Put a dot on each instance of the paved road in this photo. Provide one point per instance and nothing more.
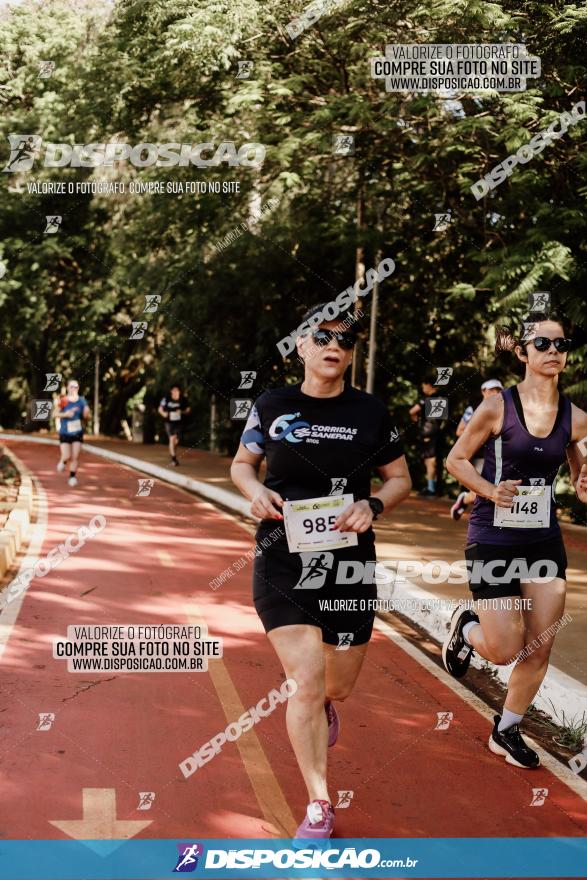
(115, 735)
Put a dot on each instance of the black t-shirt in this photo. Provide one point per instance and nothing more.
(173, 408)
(317, 446)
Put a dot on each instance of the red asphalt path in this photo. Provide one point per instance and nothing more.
(129, 732)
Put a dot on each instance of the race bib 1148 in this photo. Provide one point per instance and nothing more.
(530, 510)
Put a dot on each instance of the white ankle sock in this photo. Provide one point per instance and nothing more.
(508, 719)
(467, 629)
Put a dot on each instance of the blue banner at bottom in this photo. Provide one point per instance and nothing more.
(246, 858)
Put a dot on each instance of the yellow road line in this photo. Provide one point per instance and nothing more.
(267, 790)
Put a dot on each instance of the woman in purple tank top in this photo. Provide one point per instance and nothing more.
(515, 554)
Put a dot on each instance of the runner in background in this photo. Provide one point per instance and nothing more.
(431, 436)
(514, 547)
(173, 408)
(71, 414)
(322, 440)
(488, 389)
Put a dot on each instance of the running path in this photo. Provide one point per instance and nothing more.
(123, 734)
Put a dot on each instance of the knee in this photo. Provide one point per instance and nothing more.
(338, 692)
(503, 654)
(310, 689)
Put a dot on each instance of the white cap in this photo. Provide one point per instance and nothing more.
(491, 383)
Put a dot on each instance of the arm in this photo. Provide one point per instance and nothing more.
(461, 427)
(396, 486)
(86, 412)
(576, 453)
(485, 422)
(244, 473)
(415, 411)
(162, 412)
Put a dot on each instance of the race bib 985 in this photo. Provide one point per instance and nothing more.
(308, 523)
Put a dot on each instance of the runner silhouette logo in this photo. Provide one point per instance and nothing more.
(189, 855)
(338, 485)
(315, 568)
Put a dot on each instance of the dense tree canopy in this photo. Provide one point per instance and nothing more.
(160, 71)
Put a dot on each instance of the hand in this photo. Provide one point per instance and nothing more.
(263, 504)
(504, 494)
(581, 484)
(356, 518)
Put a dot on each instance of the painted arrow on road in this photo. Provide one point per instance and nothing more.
(99, 821)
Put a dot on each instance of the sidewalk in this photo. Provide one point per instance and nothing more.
(419, 529)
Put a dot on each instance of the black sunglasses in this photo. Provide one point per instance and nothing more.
(543, 343)
(345, 340)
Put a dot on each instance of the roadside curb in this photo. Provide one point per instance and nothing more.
(566, 693)
(17, 529)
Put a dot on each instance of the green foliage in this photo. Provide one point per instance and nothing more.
(165, 71)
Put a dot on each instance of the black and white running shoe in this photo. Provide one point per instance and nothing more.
(456, 653)
(510, 744)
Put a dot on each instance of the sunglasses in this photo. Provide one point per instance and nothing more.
(543, 343)
(346, 341)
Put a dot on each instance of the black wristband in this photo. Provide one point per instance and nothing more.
(376, 505)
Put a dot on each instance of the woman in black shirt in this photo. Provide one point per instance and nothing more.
(313, 581)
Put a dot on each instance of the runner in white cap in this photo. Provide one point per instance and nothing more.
(488, 389)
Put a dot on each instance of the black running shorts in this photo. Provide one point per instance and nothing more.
(173, 429)
(71, 438)
(301, 588)
(498, 583)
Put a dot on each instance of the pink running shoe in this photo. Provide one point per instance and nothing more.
(459, 506)
(333, 723)
(318, 822)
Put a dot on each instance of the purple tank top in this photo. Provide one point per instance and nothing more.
(515, 454)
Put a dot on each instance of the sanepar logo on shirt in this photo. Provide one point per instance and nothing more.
(282, 428)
